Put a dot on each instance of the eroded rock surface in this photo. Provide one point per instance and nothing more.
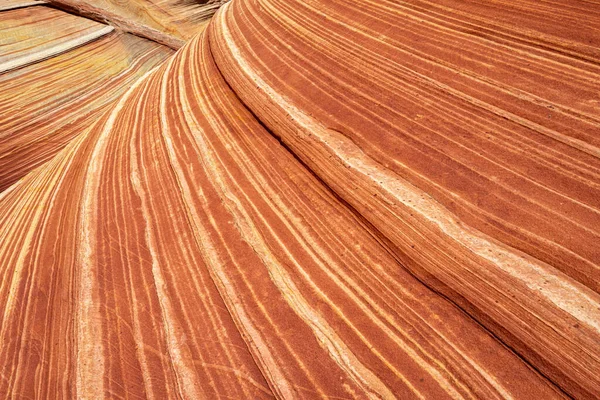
(322, 199)
(170, 22)
(82, 68)
(32, 34)
(432, 121)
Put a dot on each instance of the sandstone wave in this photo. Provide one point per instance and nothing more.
(313, 199)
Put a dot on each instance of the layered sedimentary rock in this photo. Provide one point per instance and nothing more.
(31, 34)
(45, 105)
(323, 199)
(170, 22)
(14, 4)
(432, 121)
(201, 259)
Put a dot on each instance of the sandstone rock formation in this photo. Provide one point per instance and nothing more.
(14, 4)
(32, 34)
(170, 22)
(312, 199)
(429, 130)
(81, 68)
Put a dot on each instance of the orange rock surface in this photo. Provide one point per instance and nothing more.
(45, 105)
(321, 199)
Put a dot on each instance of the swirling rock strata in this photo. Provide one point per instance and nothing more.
(432, 121)
(33, 34)
(169, 22)
(201, 258)
(322, 199)
(45, 105)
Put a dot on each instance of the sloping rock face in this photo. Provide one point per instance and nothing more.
(60, 97)
(31, 34)
(323, 199)
(202, 259)
(170, 22)
(432, 121)
(45, 105)
(14, 4)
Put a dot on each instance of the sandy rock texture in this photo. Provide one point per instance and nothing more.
(169, 22)
(457, 134)
(63, 72)
(14, 4)
(310, 199)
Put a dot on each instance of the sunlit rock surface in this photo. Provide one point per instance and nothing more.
(170, 22)
(44, 105)
(322, 199)
(14, 4)
(32, 34)
(432, 122)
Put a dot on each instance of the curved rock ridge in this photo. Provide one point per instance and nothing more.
(178, 249)
(485, 127)
(432, 122)
(322, 199)
(45, 105)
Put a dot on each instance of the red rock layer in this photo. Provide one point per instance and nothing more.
(432, 119)
(45, 105)
(178, 250)
(322, 199)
